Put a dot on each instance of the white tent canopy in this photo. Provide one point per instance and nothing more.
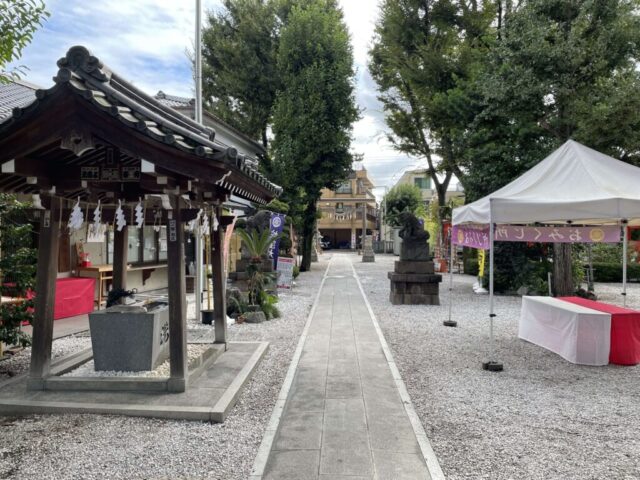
(574, 183)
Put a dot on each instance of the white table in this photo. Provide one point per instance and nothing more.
(578, 334)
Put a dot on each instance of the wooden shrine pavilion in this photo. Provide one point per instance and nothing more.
(96, 137)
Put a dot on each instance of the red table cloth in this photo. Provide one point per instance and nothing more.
(625, 330)
(74, 296)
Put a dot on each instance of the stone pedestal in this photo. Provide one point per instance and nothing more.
(414, 282)
(129, 339)
(367, 251)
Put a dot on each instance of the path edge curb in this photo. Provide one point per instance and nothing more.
(433, 465)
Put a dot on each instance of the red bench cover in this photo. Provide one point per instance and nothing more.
(625, 330)
(74, 296)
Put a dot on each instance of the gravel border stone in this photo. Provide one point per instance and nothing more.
(541, 418)
(114, 447)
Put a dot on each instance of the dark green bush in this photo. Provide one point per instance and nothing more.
(471, 266)
(612, 272)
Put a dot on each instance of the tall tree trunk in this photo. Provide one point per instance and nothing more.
(308, 231)
(562, 272)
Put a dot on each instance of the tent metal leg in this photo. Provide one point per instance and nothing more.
(491, 365)
(449, 322)
(625, 243)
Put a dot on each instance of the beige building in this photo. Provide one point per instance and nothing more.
(342, 209)
(421, 179)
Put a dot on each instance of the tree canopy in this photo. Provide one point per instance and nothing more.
(403, 198)
(19, 20)
(240, 75)
(423, 54)
(315, 109)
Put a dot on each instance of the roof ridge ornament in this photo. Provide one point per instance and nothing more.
(79, 60)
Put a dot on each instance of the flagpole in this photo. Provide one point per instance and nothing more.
(198, 62)
(198, 118)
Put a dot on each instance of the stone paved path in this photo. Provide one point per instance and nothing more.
(344, 418)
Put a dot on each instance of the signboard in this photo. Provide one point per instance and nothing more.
(285, 272)
(478, 236)
(110, 174)
(471, 236)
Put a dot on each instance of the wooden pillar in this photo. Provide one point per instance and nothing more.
(219, 281)
(47, 272)
(177, 300)
(120, 252)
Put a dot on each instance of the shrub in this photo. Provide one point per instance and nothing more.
(612, 272)
(403, 198)
(296, 271)
(471, 266)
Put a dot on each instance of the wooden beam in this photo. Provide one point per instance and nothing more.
(46, 275)
(177, 300)
(219, 282)
(120, 251)
(109, 213)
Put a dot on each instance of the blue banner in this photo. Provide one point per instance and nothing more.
(276, 225)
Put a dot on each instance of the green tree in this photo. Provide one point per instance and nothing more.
(17, 270)
(559, 69)
(403, 198)
(19, 20)
(315, 110)
(240, 75)
(424, 56)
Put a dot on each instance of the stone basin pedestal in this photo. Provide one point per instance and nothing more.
(129, 339)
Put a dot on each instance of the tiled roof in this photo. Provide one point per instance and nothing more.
(85, 75)
(185, 103)
(174, 101)
(15, 94)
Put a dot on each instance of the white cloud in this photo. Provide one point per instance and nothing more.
(145, 41)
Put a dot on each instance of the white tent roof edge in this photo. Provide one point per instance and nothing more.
(574, 184)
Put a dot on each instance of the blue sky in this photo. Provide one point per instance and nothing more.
(146, 42)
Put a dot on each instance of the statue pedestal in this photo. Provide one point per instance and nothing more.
(414, 282)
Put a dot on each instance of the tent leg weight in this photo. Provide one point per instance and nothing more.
(450, 323)
(492, 366)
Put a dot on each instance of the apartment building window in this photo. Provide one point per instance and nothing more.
(422, 183)
(344, 188)
(339, 207)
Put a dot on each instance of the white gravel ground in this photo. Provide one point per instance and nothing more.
(541, 418)
(19, 363)
(112, 447)
(163, 370)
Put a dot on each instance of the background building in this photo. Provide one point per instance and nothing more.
(421, 179)
(342, 209)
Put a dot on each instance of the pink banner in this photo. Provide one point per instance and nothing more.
(478, 236)
(471, 236)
